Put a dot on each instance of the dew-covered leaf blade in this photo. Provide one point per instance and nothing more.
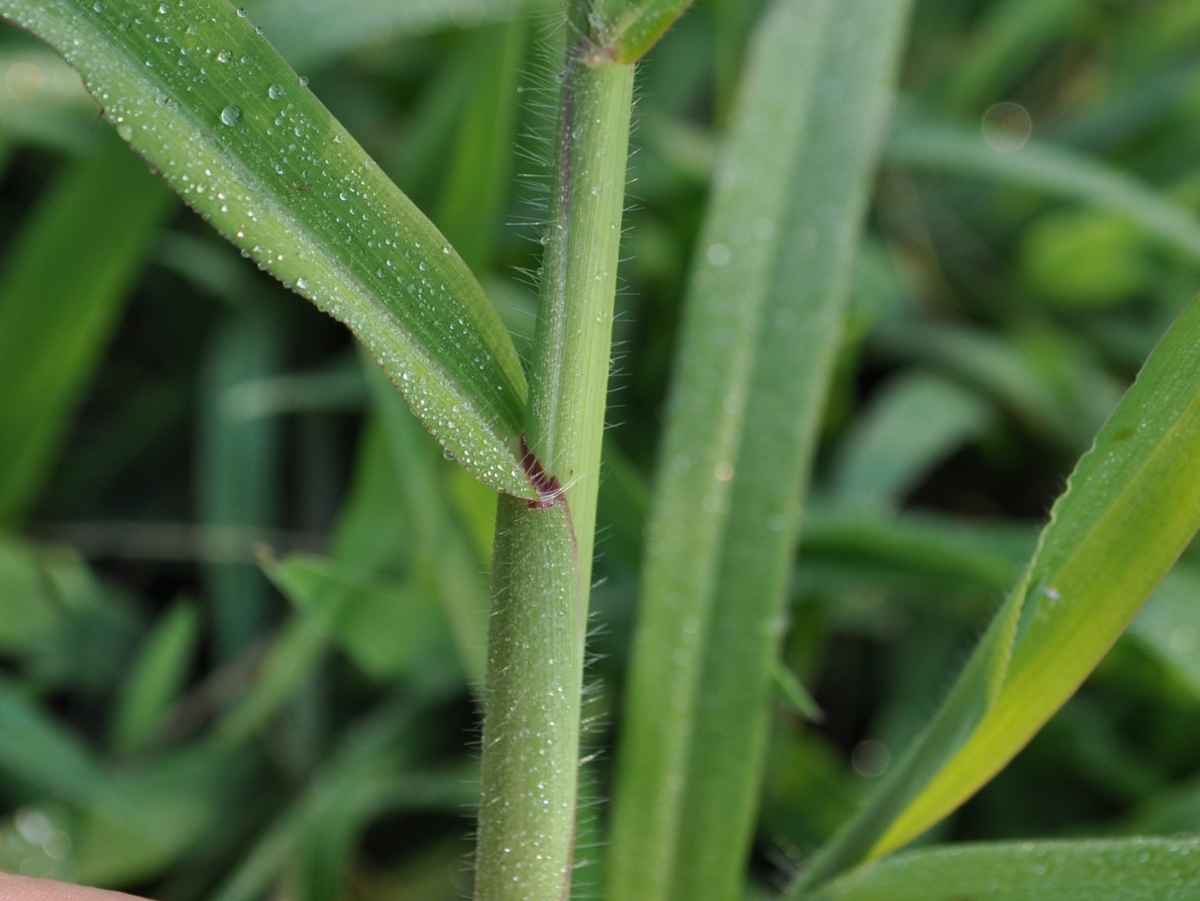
(205, 99)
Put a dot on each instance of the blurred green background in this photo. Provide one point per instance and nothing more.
(235, 576)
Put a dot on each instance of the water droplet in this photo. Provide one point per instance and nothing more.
(223, 56)
(275, 91)
(448, 454)
(301, 284)
(870, 758)
(231, 115)
(241, 11)
(303, 81)
(1006, 127)
(99, 6)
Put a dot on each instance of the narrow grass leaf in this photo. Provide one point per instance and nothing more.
(311, 32)
(1167, 626)
(1012, 35)
(1045, 168)
(444, 560)
(909, 427)
(296, 651)
(55, 320)
(1131, 507)
(210, 104)
(39, 753)
(184, 800)
(237, 459)
(794, 692)
(1038, 377)
(373, 533)
(337, 387)
(760, 334)
(388, 630)
(480, 168)
(156, 678)
(367, 773)
(44, 104)
(1133, 869)
(924, 547)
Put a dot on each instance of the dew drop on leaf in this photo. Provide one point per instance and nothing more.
(231, 115)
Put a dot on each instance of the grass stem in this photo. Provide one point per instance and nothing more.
(543, 551)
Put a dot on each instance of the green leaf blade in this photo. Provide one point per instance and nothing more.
(1045, 167)
(311, 32)
(1135, 869)
(760, 334)
(209, 104)
(915, 422)
(1131, 507)
(55, 320)
(156, 680)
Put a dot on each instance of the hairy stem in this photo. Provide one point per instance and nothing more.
(543, 552)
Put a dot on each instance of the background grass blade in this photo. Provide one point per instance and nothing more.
(449, 565)
(1167, 624)
(912, 425)
(1135, 869)
(45, 105)
(210, 104)
(156, 679)
(480, 169)
(1047, 168)
(751, 380)
(389, 630)
(55, 320)
(309, 32)
(38, 751)
(1011, 36)
(237, 458)
(1131, 507)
